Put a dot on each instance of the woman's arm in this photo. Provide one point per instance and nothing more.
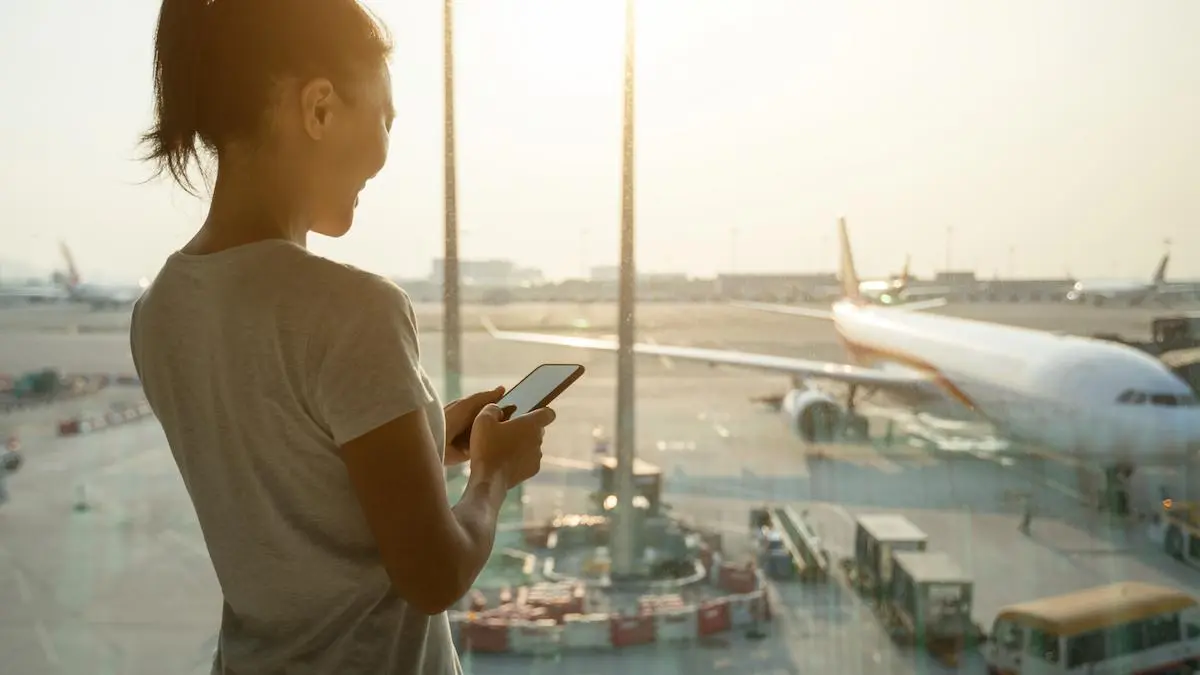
(367, 390)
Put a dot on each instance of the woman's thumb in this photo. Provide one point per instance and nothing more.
(491, 411)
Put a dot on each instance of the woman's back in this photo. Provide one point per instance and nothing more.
(248, 358)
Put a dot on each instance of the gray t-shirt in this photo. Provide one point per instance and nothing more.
(260, 361)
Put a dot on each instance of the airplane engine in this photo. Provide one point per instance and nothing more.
(812, 415)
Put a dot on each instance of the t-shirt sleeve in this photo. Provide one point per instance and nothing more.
(368, 365)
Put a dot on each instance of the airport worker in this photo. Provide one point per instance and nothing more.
(1026, 513)
(308, 436)
(10, 463)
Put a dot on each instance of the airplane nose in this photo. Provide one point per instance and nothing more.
(1180, 428)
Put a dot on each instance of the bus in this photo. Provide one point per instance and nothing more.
(1127, 628)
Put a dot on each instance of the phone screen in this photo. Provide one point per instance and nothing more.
(536, 386)
(530, 392)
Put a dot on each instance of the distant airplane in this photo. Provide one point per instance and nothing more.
(1101, 402)
(96, 295)
(1130, 292)
(68, 287)
(32, 293)
(894, 290)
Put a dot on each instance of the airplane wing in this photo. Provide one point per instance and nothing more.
(1177, 289)
(811, 313)
(837, 372)
(790, 310)
(921, 305)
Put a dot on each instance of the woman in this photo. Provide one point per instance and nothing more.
(310, 440)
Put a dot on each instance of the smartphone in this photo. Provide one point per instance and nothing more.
(536, 390)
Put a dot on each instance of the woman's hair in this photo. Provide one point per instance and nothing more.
(217, 63)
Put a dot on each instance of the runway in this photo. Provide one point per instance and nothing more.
(126, 587)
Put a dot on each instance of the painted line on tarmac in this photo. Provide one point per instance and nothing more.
(664, 360)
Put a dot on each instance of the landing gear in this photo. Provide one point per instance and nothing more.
(1116, 490)
(854, 426)
(1173, 543)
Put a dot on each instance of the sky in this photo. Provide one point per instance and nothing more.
(1014, 137)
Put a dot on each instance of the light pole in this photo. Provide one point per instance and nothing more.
(452, 320)
(623, 531)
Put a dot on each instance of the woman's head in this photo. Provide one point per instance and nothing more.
(293, 94)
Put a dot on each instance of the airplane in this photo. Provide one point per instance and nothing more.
(1069, 397)
(32, 293)
(97, 296)
(894, 290)
(1132, 292)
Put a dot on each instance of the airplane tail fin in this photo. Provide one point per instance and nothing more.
(904, 272)
(72, 270)
(1160, 274)
(846, 272)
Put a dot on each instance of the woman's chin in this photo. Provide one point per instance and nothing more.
(335, 227)
(337, 222)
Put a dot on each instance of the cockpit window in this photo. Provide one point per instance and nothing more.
(1131, 397)
(1134, 397)
(1174, 400)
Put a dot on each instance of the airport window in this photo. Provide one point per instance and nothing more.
(1009, 635)
(1085, 649)
(1127, 639)
(1043, 645)
(1163, 630)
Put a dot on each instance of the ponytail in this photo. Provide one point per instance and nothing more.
(178, 51)
(217, 63)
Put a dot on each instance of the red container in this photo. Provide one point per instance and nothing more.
(627, 631)
(737, 578)
(512, 610)
(68, 427)
(713, 617)
(551, 610)
(652, 603)
(486, 635)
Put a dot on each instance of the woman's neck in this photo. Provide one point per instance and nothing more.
(246, 209)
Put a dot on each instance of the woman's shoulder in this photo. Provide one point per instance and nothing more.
(352, 289)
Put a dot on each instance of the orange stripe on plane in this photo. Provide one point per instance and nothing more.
(869, 355)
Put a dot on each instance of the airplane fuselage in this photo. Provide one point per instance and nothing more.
(1101, 291)
(1069, 395)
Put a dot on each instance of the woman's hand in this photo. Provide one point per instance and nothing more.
(460, 415)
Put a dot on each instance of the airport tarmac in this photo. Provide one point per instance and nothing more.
(126, 586)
